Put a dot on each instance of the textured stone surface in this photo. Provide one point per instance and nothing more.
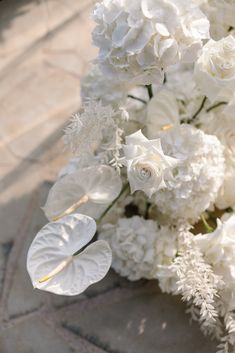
(45, 48)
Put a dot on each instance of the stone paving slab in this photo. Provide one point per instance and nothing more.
(45, 48)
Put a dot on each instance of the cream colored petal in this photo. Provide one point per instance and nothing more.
(163, 112)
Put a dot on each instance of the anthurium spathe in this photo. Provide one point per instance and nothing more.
(57, 261)
(88, 191)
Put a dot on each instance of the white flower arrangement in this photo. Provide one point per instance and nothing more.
(156, 133)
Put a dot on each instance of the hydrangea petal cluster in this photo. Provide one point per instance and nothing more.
(197, 178)
(148, 167)
(138, 40)
(142, 250)
(222, 125)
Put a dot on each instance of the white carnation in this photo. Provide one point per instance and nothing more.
(137, 40)
(197, 178)
(142, 250)
(148, 168)
(222, 125)
(215, 69)
(219, 250)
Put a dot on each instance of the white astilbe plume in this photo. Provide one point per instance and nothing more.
(94, 131)
(196, 281)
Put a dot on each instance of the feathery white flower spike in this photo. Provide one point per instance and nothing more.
(52, 263)
(87, 191)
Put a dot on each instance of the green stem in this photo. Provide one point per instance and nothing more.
(208, 228)
(125, 187)
(150, 91)
(137, 98)
(215, 106)
(199, 110)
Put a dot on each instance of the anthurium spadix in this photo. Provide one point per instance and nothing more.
(88, 191)
(57, 262)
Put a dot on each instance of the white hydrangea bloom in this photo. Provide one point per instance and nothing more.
(148, 167)
(96, 85)
(215, 69)
(197, 178)
(222, 124)
(138, 40)
(142, 250)
(219, 250)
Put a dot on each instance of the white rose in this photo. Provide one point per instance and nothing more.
(219, 250)
(215, 69)
(147, 166)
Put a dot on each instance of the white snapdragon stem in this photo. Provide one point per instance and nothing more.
(84, 199)
(57, 270)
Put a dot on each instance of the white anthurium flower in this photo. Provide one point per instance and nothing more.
(87, 191)
(215, 69)
(56, 261)
(162, 113)
(147, 166)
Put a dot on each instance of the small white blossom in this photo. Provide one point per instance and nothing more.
(215, 69)
(53, 263)
(148, 167)
(138, 40)
(197, 178)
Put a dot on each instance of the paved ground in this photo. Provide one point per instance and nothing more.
(45, 48)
